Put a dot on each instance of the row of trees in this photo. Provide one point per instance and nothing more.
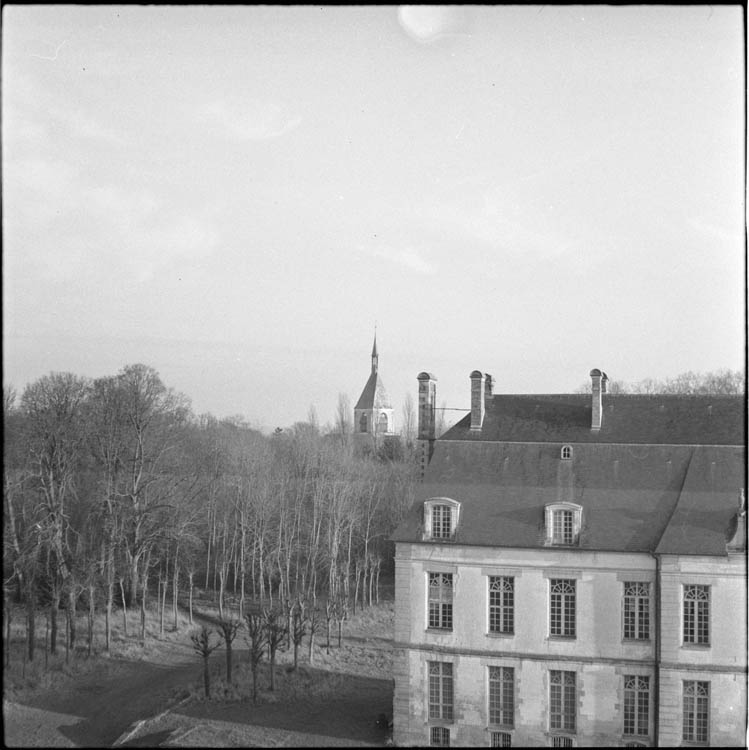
(717, 383)
(112, 488)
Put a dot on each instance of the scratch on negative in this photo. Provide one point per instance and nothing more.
(45, 57)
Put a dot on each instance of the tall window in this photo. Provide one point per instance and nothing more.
(636, 704)
(441, 690)
(697, 614)
(562, 701)
(441, 600)
(363, 423)
(636, 611)
(696, 710)
(442, 525)
(502, 696)
(562, 607)
(382, 426)
(501, 604)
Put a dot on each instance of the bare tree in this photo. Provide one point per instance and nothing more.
(204, 648)
(256, 640)
(275, 633)
(408, 420)
(229, 627)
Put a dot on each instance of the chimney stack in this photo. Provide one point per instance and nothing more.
(427, 405)
(488, 390)
(478, 402)
(599, 380)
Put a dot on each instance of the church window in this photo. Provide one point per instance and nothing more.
(363, 423)
(383, 424)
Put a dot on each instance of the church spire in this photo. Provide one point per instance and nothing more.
(374, 352)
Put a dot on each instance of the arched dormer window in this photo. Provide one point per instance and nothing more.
(566, 452)
(562, 524)
(382, 426)
(441, 516)
(363, 423)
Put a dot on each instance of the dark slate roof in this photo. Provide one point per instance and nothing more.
(635, 498)
(626, 418)
(374, 395)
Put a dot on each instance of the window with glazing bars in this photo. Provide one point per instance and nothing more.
(439, 737)
(562, 701)
(636, 704)
(561, 741)
(562, 527)
(636, 611)
(696, 710)
(441, 690)
(501, 604)
(501, 739)
(502, 696)
(697, 614)
(442, 522)
(562, 607)
(441, 600)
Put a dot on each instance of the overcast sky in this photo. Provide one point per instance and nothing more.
(236, 196)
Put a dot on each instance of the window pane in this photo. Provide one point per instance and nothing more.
(440, 603)
(501, 604)
(696, 625)
(562, 616)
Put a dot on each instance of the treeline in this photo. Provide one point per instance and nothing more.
(113, 488)
(717, 383)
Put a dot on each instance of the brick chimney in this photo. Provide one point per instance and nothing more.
(427, 405)
(598, 380)
(478, 402)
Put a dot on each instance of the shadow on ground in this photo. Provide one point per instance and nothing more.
(350, 715)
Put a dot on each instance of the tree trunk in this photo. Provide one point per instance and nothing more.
(357, 568)
(8, 619)
(206, 677)
(108, 615)
(175, 592)
(53, 606)
(71, 619)
(228, 660)
(190, 574)
(124, 608)
(30, 624)
(91, 614)
(163, 605)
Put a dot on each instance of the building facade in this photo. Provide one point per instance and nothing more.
(573, 573)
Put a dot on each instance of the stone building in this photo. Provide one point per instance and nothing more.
(573, 573)
(373, 413)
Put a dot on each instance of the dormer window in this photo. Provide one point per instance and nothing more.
(563, 524)
(440, 518)
(566, 452)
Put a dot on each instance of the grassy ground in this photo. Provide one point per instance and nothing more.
(365, 650)
(23, 678)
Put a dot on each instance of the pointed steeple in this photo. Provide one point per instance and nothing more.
(374, 353)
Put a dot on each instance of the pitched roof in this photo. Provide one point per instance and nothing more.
(374, 395)
(635, 498)
(626, 418)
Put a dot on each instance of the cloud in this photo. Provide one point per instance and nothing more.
(407, 257)
(249, 121)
